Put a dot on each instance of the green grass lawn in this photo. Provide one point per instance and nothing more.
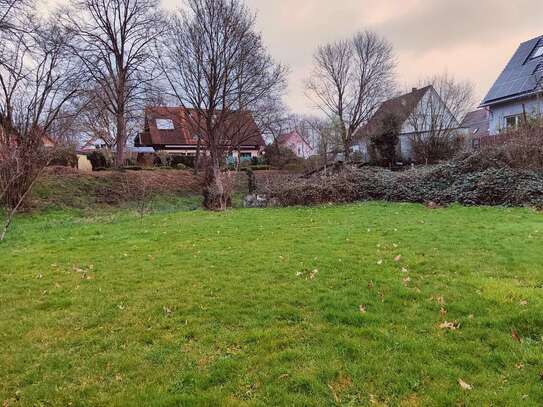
(195, 308)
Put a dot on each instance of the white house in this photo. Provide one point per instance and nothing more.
(518, 91)
(418, 112)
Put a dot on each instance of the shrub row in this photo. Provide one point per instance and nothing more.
(479, 179)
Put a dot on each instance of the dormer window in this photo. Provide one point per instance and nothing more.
(538, 51)
(164, 124)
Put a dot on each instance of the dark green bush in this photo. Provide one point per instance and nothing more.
(98, 160)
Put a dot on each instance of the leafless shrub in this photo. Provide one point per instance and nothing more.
(137, 188)
(37, 82)
(521, 147)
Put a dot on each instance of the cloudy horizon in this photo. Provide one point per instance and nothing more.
(471, 41)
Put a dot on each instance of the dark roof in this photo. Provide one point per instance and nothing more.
(478, 122)
(402, 107)
(518, 79)
(241, 125)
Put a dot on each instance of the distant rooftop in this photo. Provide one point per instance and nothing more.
(520, 76)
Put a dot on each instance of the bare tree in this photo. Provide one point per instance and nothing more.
(436, 120)
(350, 79)
(218, 66)
(8, 14)
(37, 81)
(114, 40)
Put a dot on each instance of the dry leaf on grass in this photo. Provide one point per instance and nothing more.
(519, 365)
(515, 335)
(362, 309)
(442, 312)
(450, 325)
(370, 285)
(397, 258)
(523, 303)
(379, 262)
(406, 281)
(464, 385)
(313, 274)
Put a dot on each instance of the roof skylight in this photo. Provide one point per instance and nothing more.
(164, 124)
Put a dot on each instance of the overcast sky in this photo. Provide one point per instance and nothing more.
(470, 39)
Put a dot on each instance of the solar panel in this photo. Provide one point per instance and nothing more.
(518, 76)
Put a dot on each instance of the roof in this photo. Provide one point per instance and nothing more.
(518, 79)
(182, 129)
(478, 122)
(402, 107)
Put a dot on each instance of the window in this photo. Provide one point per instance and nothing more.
(538, 52)
(512, 122)
(245, 156)
(476, 143)
(164, 124)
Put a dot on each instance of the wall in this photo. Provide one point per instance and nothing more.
(498, 113)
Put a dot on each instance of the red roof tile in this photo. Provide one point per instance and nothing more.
(243, 129)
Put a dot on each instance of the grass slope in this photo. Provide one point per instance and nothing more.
(196, 308)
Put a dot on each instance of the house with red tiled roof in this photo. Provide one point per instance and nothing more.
(175, 130)
(296, 143)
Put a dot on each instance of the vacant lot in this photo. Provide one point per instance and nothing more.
(349, 305)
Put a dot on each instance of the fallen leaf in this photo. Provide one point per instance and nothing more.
(406, 281)
(450, 325)
(404, 270)
(313, 274)
(398, 258)
(442, 312)
(379, 262)
(362, 309)
(515, 335)
(464, 385)
(523, 303)
(370, 285)
(519, 365)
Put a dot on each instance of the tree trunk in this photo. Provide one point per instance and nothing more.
(197, 157)
(216, 192)
(346, 144)
(121, 140)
